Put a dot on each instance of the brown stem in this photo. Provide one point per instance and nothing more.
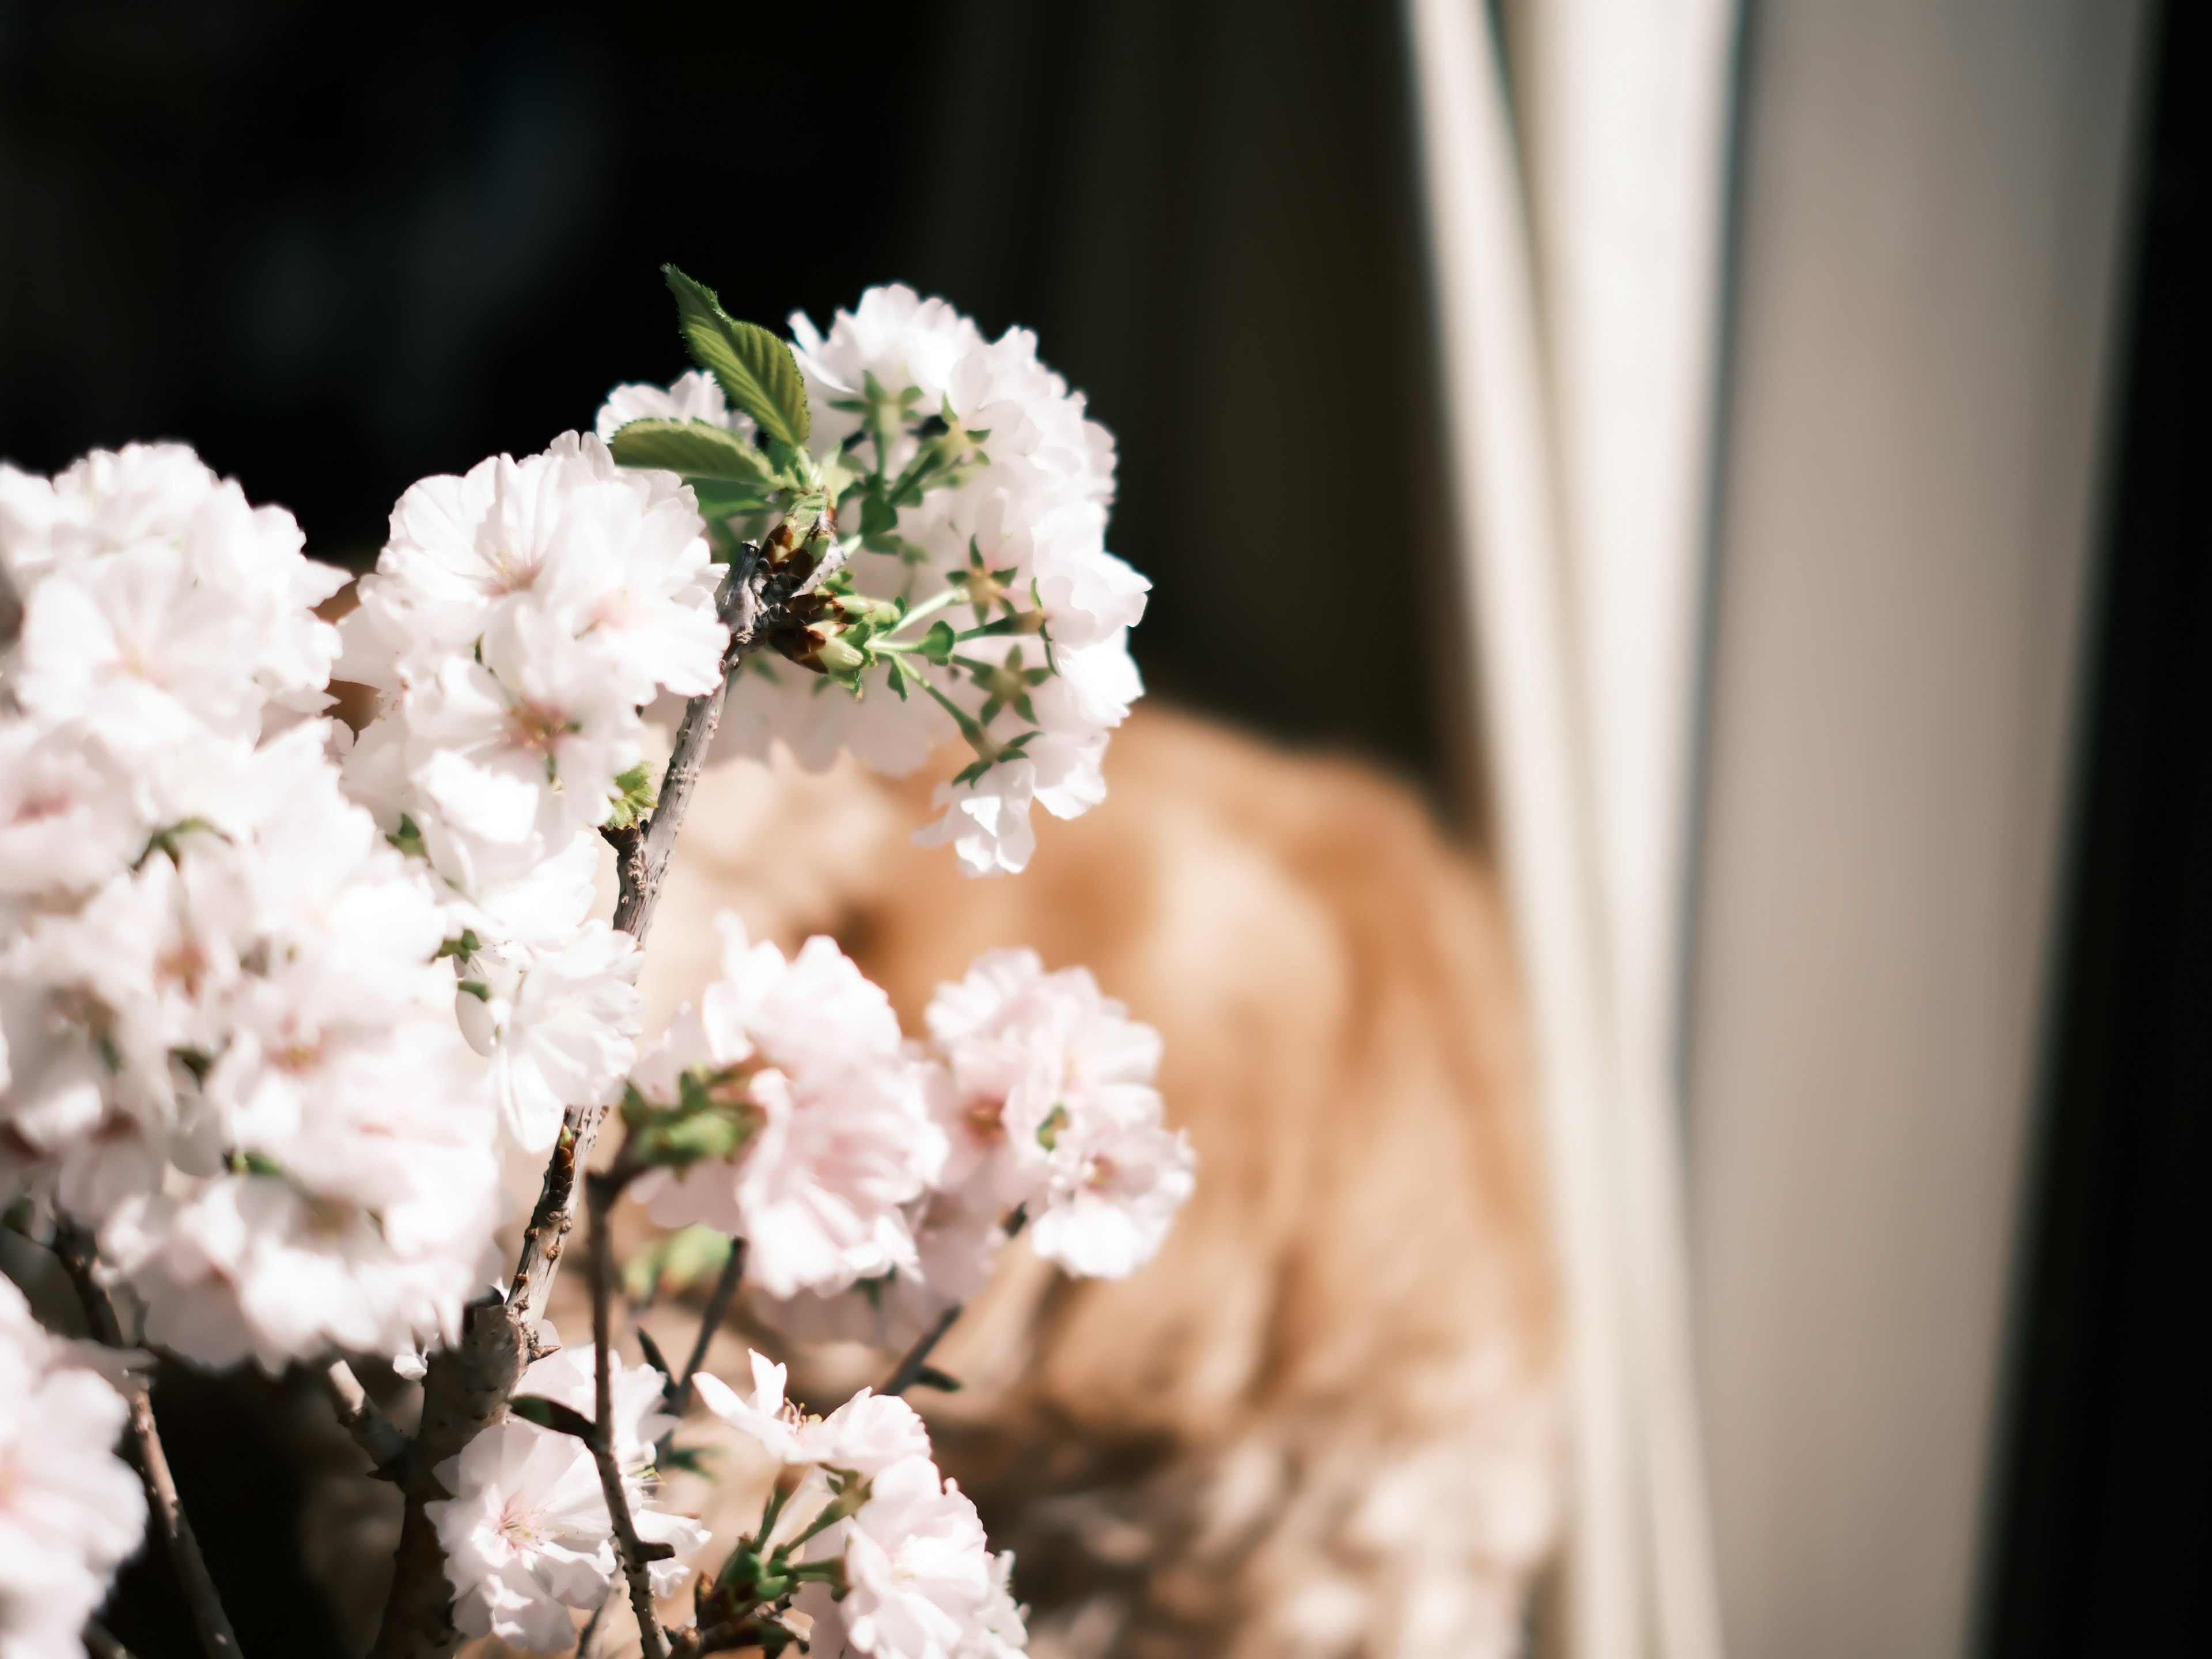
(909, 1369)
(679, 1394)
(465, 1389)
(645, 862)
(600, 1192)
(144, 1446)
(917, 1357)
(362, 1417)
(469, 1383)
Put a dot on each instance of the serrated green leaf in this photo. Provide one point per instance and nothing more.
(697, 449)
(756, 370)
(635, 795)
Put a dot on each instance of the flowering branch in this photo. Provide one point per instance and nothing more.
(474, 1379)
(217, 1638)
(600, 1192)
(257, 924)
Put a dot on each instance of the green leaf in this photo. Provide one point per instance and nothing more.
(674, 1263)
(465, 944)
(692, 1460)
(636, 795)
(719, 500)
(756, 370)
(937, 644)
(551, 1414)
(697, 449)
(1048, 1133)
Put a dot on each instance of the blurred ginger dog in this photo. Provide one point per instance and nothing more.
(1323, 1421)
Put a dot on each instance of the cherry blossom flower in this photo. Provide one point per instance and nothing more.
(918, 1582)
(175, 603)
(639, 1424)
(918, 1571)
(1004, 544)
(867, 1435)
(70, 1511)
(832, 1135)
(1000, 1630)
(518, 617)
(615, 557)
(559, 1025)
(229, 1048)
(693, 397)
(526, 1534)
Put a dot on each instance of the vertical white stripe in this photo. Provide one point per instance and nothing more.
(1579, 372)
(1623, 110)
(1501, 467)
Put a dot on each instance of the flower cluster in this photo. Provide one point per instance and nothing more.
(785, 1110)
(274, 1000)
(70, 1509)
(875, 1180)
(969, 593)
(526, 1534)
(864, 1545)
(226, 1046)
(517, 618)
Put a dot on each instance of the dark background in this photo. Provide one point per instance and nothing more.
(2104, 1539)
(338, 248)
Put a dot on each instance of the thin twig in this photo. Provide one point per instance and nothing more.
(916, 1361)
(917, 1357)
(679, 1393)
(217, 1638)
(743, 605)
(600, 1192)
(364, 1420)
(77, 1252)
(468, 1384)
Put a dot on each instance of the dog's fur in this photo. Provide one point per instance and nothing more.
(1322, 1422)
(1325, 1421)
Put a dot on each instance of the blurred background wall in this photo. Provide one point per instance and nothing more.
(1928, 260)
